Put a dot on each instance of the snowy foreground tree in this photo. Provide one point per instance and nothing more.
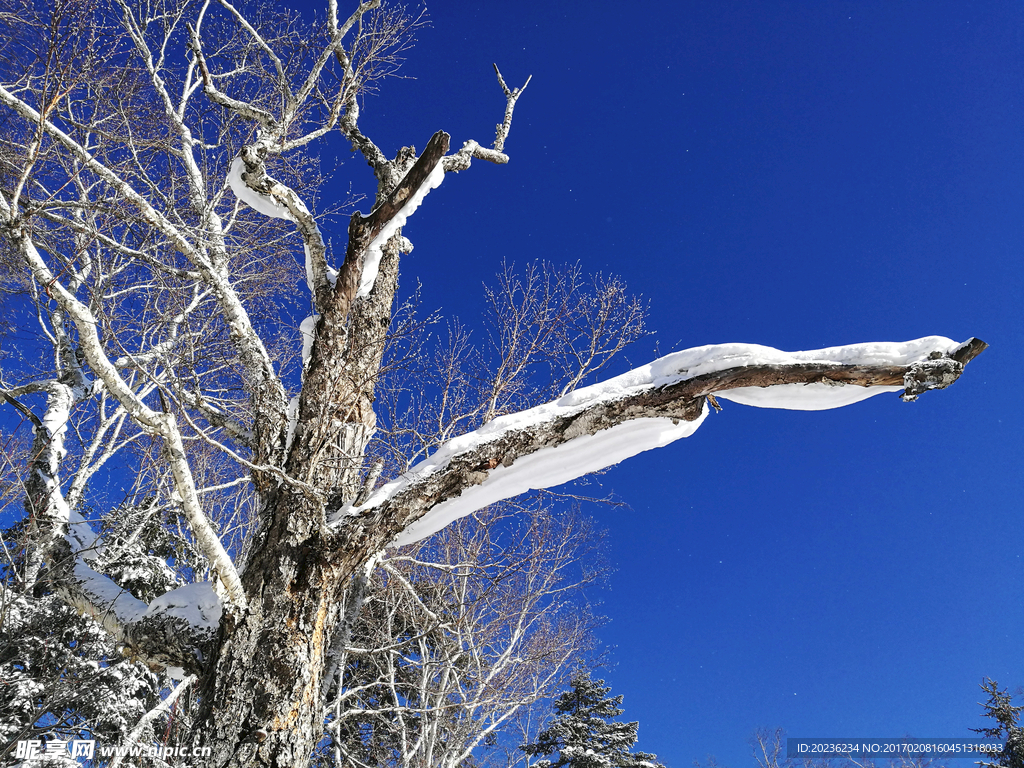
(157, 179)
(1007, 728)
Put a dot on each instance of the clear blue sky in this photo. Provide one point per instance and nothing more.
(797, 174)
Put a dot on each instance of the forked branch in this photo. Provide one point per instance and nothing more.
(461, 160)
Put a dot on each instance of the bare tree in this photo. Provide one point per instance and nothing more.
(768, 750)
(150, 162)
(461, 635)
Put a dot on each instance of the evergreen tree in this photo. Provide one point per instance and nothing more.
(582, 734)
(61, 676)
(1007, 716)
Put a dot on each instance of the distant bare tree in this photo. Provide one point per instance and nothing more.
(461, 635)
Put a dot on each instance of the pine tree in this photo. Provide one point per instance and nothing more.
(62, 676)
(582, 734)
(1007, 716)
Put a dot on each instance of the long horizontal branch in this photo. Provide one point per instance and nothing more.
(601, 425)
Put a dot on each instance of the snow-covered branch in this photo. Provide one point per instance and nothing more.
(649, 407)
(162, 424)
(461, 160)
(367, 235)
(249, 180)
(159, 633)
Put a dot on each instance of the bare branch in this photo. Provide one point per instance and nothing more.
(242, 108)
(511, 97)
(600, 425)
(461, 160)
(161, 424)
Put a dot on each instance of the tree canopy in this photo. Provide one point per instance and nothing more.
(584, 735)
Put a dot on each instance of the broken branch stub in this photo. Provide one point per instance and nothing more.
(362, 230)
(939, 372)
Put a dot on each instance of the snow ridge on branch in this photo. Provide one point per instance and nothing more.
(648, 407)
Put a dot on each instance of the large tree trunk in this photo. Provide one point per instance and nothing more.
(262, 699)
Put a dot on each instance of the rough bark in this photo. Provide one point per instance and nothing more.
(262, 697)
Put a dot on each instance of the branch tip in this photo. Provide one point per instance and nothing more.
(969, 350)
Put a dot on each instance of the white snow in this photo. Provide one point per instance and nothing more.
(308, 330)
(554, 466)
(55, 422)
(82, 538)
(293, 421)
(310, 282)
(589, 453)
(262, 203)
(803, 397)
(197, 603)
(332, 273)
(371, 258)
(103, 593)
